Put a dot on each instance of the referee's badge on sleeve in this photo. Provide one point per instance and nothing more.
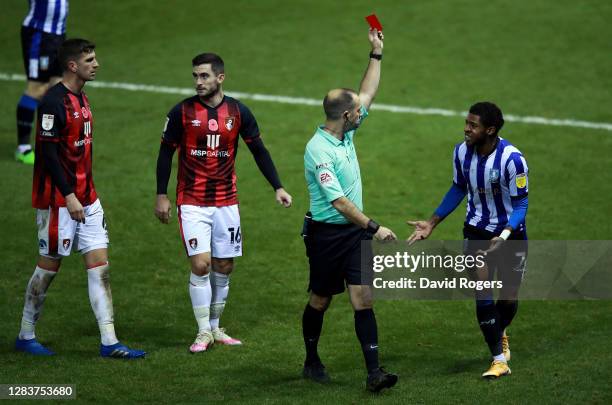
(521, 180)
(47, 121)
(325, 178)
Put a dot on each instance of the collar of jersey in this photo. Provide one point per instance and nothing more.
(80, 95)
(495, 149)
(330, 138)
(209, 107)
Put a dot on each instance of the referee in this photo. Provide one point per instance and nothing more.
(336, 225)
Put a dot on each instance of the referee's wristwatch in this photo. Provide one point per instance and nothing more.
(372, 226)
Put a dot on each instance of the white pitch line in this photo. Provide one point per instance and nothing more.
(560, 122)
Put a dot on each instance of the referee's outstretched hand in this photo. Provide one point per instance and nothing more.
(384, 234)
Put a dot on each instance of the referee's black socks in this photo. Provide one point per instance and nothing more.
(367, 333)
(312, 323)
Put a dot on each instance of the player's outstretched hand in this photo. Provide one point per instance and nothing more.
(162, 208)
(422, 230)
(384, 234)
(495, 245)
(74, 207)
(376, 39)
(283, 198)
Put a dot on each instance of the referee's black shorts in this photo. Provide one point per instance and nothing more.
(39, 50)
(334, 253)
(509, 264)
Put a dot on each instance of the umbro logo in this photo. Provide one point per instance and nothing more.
(75, 114)
(196, 123)
(489, 322)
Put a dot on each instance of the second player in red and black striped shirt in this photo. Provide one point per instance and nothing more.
(205, 129)
(68, 213)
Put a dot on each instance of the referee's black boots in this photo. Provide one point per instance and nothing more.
(316, 372)
(379, 379)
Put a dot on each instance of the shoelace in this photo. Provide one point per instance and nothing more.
(200, 337)
(222, 332)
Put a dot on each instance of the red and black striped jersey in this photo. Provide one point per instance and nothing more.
(207, 140)
(64, 118)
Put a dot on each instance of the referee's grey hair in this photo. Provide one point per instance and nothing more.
(335, 105)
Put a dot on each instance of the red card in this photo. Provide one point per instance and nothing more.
(374, 23)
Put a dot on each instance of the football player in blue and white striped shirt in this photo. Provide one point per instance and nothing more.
(42, 33)
(494, 176)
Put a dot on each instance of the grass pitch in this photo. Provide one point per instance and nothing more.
(547, 58)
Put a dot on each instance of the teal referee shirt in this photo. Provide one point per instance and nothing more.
(332, 171)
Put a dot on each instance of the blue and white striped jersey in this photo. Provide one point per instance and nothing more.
(47, 16)
(491, 182)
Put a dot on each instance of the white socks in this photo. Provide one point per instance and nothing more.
(24, 147)
(200, 293)
(99, 297)
(102, 302)
(220, 290)
(34, 299)
(500, 357)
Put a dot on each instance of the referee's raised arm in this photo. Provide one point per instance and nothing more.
(371, 78)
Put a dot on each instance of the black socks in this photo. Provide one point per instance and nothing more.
(312, 323)
(367, 333)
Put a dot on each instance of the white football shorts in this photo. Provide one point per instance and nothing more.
(211, 229)
(58, 234)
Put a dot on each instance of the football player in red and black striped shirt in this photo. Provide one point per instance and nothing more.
(205, 130)
(69, 214)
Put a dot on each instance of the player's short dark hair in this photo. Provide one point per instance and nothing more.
(335, 106)
(72, 48)
(215, 61)
(490, 115)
